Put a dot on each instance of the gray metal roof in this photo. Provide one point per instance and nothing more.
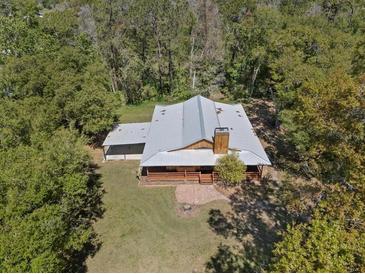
(179, 125)
(197, 157)
(126, 134)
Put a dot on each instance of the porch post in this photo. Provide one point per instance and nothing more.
(260, 171)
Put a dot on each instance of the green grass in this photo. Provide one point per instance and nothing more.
(141, 112)
(137, 113)
(141, 230)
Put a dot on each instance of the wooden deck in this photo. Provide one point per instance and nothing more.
(186, 176)
(191, 176)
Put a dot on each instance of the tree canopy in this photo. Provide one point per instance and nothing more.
(55, 96)
(307, 57)
(68, 67)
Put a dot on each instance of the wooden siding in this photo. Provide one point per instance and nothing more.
(184, 174)
(197, 145)
(221, 142)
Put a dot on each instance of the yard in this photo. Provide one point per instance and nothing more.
(141, 230)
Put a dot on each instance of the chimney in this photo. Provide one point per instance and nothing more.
(221, 140)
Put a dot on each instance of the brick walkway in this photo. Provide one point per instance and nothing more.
(196, 194)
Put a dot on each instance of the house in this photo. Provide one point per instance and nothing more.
(183, 141)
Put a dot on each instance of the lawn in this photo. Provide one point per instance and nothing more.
(136, 113)
(141, 230)
(141, 112)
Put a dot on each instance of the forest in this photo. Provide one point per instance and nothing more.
(68, 67)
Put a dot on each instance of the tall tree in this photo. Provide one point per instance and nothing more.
(46, 210)
(50, 60)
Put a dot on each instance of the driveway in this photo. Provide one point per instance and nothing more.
(196, 194)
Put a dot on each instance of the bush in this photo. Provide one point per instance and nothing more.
(231, 169)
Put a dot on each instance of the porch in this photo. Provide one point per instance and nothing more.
(199, 175)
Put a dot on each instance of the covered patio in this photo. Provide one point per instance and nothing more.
(126, 142)
(190, 174)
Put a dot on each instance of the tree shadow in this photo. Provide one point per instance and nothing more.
(281, 152)
(260, 211)
(255, 221)
(93, 209)
(263, 117)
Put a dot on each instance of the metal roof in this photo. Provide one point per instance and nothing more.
(179, 125)
(126, 134)
(197, 157)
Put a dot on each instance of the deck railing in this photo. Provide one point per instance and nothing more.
(203, 178)
(182, 176)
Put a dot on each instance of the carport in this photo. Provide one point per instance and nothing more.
(126, 141)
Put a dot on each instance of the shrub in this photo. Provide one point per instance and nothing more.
(231, 169)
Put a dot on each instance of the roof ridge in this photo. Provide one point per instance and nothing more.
(183, 123)
(216, 113)
(201, 117)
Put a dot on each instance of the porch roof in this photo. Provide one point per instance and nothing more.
(197, 157)
(126, 134)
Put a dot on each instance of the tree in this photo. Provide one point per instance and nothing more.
(247, 46)
(51, 83)
(231, 170)
(59, 68)
(358, 61)
(46, 210)
(307, 55)
(333, 241)
(152, 45)
(325, 124)
(23, 120)
(321, 246)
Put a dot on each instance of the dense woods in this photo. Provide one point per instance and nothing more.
(55, 97)
(67, 67)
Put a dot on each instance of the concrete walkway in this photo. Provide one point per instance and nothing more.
(196, 194)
